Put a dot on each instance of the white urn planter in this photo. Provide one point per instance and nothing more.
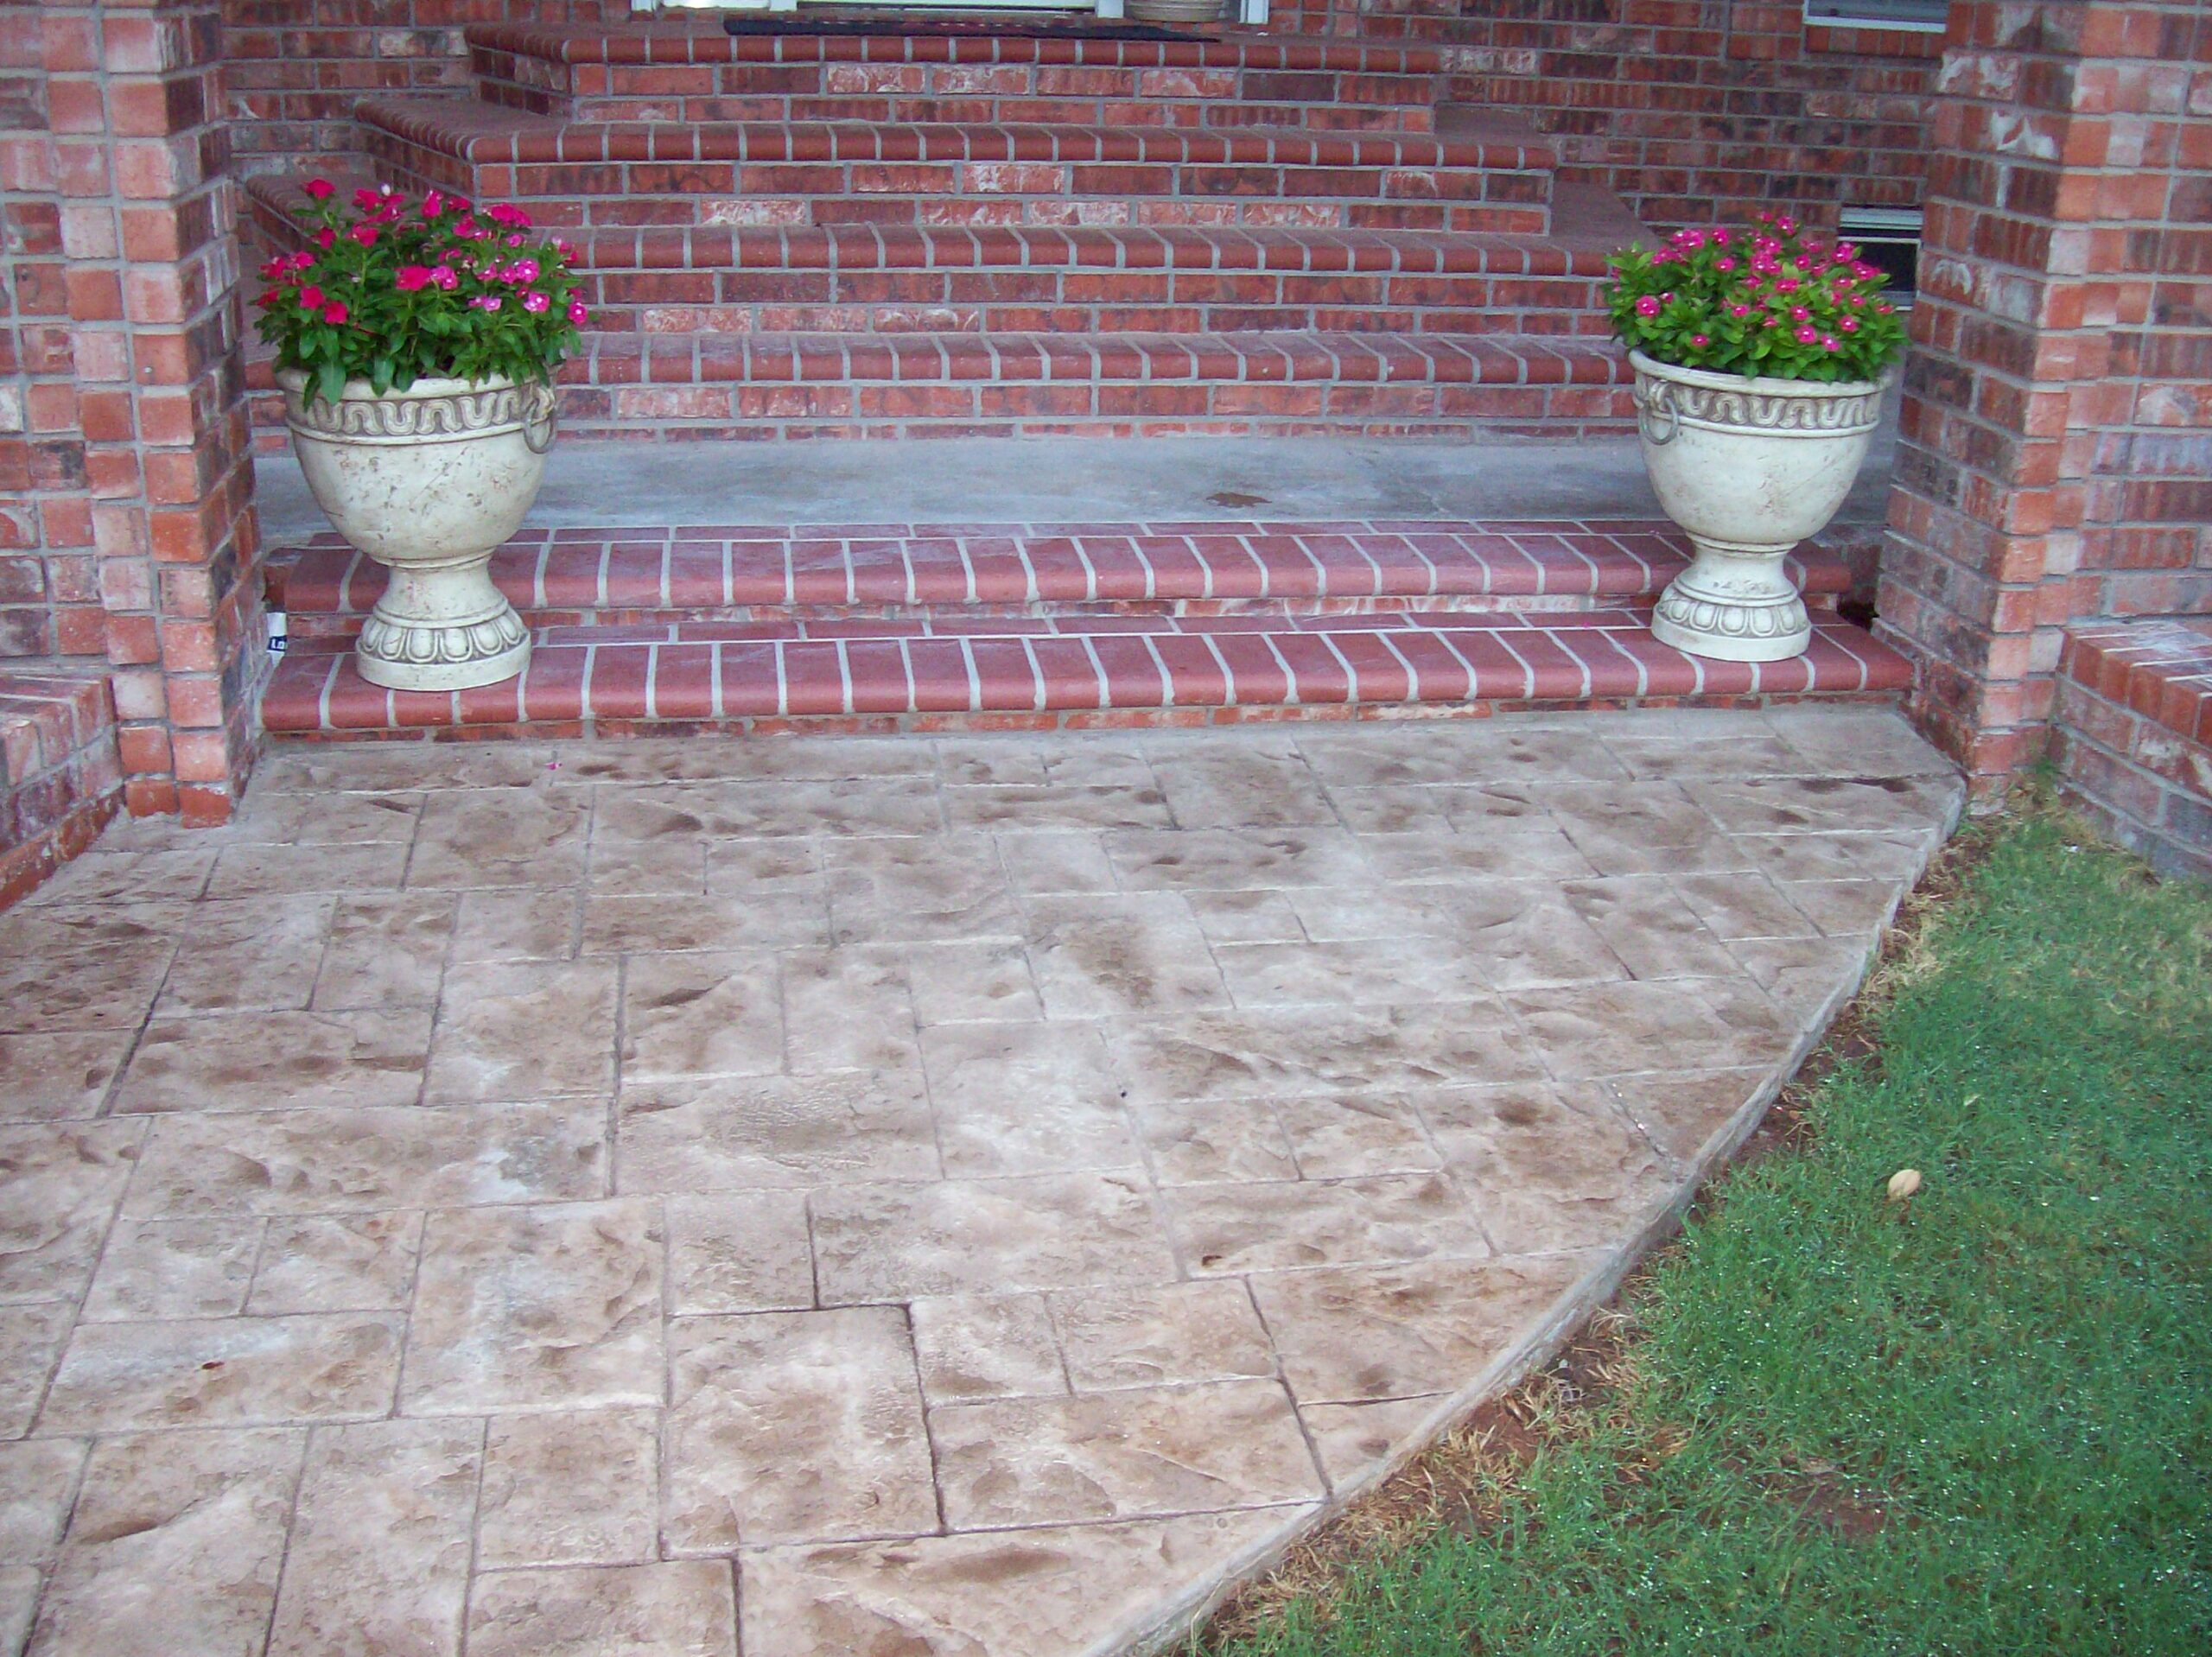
(1749, 467)
(427, 482)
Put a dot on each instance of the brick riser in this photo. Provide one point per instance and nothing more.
(666, 73)
(866, 279)
(714, 386)
(865, 573)
(579, 174)
(1067, 672)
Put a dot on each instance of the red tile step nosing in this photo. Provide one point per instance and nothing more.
(678, 44)
(1066, 670)
(1166, 568)
(478, 132)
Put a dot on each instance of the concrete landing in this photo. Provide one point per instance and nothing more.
(1079, 479)
(843, 1197)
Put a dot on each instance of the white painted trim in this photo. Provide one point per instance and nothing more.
(1251, 11)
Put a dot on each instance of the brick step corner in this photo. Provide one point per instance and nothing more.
(1069, 671)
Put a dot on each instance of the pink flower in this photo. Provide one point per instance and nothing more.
(445, 277)
(1866, 272)
(1798, 313)
(1724, 263)
(535, 302)
(1771, 322)
(467, 228)
(1689, 239)
(365, 234)
(369, 199)
(514, 241)
(1700, 340)
(311, 298)
(302, 261)
(1720, 237)
(1787, 285)
(565, 248)
(1829, 342)
(1885, 309)
(335, 311)
(321, 189)
(1647, 306)
(413, 279)
(1807, 334)
(1740, 310)
(326, 238)
(512, 218)
(434, 204)
(1786, 225)
(577, 314)
(523, 271)
(1849, 325)
(487, 301)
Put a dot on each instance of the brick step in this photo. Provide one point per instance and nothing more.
(1021, 278)
(1066, 671)
(576, 174)
(708, 385)
(689, 72)
(868, 572)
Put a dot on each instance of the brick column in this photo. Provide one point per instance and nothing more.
(2058, 396)
(129, 314)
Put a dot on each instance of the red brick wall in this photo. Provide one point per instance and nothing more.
(2057, 452)
(295, 68)
(1689, 110)
(128, 481)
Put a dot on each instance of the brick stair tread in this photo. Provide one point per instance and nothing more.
(1264, 357)
(1579, 247)
(828, 569)
(676, 42)
(472, 131)
(1067, 668)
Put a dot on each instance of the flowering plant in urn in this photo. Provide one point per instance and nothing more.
(1761, 356)
(415, 343)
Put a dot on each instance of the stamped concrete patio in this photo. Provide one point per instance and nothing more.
(940, 1197)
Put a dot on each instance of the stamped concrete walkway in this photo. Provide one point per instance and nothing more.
(952, 1197)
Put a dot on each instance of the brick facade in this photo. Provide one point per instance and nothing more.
(1690, 110)
(122, 433)
(2055, 461)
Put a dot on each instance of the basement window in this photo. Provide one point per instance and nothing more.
(1922, 16)
(1888, 236)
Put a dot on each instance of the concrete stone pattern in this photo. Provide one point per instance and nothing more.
(744, 1197)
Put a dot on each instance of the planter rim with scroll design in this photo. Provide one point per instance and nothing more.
(427, 482)
(1749, 466)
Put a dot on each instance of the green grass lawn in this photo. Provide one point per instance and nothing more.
(1977, 1422)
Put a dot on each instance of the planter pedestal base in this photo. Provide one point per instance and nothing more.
(442, 627)
(1734, 604)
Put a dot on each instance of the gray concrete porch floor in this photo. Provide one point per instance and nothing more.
(961, 1197)
(1059, 480)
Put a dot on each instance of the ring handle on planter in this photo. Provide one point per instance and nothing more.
(541, 411)
(1658, 397)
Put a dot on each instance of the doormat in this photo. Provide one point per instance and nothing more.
(1004, 27)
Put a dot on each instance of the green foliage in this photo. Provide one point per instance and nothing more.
(395, 291)
(1978, 1423)
(1771, 301)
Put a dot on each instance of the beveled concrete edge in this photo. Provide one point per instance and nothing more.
(1160, 1631)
